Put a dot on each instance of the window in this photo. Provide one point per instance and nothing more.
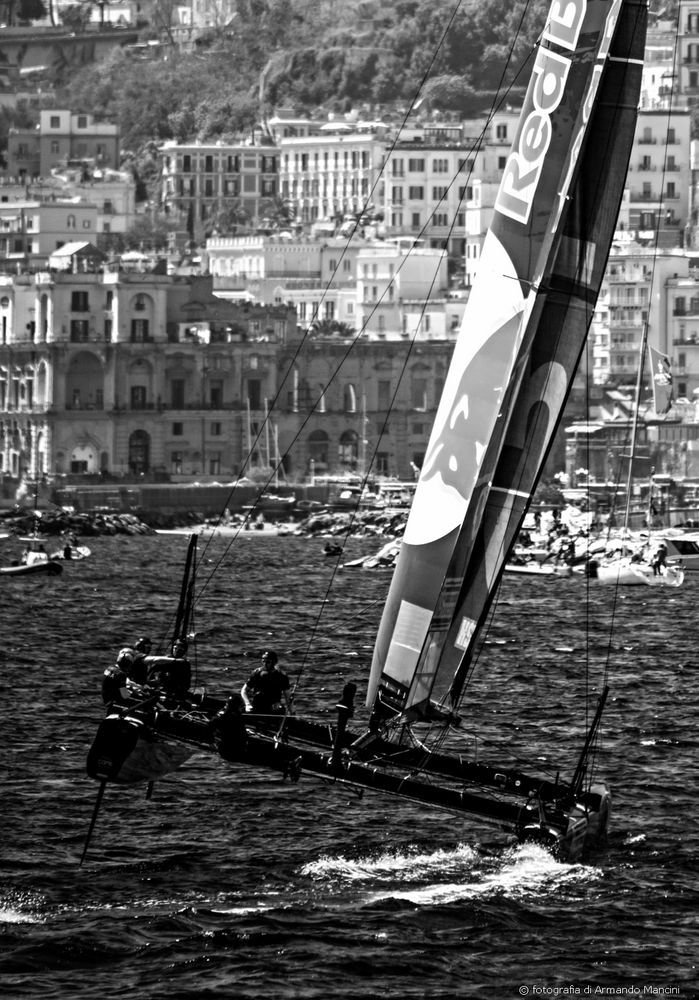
(176, 462)
(55, 146)
(416, 165)
(215, 428)
(139, 331)
(82, 121)
(177, 393)
(416, 193)
(70, 222)
(214, 458)
(254, 393)
(418, 393)
(55, 121)
(501, 132)
(79, 331)
(138, 397)
(177, 429)
(439, 192)
(216, 394)
(79, 302)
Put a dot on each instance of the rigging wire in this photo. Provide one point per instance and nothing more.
(490, 615)
(637, 402)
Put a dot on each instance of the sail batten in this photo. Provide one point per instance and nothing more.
(509, 378)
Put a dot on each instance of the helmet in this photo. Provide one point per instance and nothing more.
(143, 644)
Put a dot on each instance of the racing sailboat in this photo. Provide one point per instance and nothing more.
(522, 337)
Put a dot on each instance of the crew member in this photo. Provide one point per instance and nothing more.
(132, 660)
(172, 673)
(228, 729)
(266, 689)
(114, 687)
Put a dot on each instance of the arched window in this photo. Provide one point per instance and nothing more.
(318, 442)
(349, 403)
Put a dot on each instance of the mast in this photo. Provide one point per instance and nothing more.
(634, 425)
(540, 272)
(184, 606)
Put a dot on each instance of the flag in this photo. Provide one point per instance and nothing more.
(662, 381)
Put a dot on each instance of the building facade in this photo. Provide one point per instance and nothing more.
(62, 138)
(107, 372)
(201, 180)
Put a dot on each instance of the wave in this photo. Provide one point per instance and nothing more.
(448, 875)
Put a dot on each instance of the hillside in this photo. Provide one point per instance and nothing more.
(313, 54)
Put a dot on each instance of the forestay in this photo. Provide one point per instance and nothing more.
(519, 345)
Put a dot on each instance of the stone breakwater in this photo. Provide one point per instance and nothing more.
(80, 525)
(381, 523)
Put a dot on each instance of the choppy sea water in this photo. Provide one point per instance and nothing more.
(234, 884)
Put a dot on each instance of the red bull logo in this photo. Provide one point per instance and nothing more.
(524, 165)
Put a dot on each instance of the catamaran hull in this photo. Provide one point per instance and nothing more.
(128, 750)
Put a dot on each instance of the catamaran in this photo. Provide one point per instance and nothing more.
(522, 337)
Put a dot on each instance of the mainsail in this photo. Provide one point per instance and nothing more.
(520, 342)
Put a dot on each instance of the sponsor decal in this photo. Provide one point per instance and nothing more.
(525, 163)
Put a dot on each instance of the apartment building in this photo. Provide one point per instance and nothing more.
(201, 180)
(385, 289)
(62, 138)
(333, 173)
(657, 209)
(686, 65)
(112, 192)
(31, 230)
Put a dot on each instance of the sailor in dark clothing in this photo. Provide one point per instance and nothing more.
(172, 673)
(228, 729)
(266, 688)
(113, 685)
(132, 660)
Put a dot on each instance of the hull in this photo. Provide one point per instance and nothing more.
(145, 741)
(127, 751)
(78, 552)
(534, 568)
(624, 573)
(47, 567)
